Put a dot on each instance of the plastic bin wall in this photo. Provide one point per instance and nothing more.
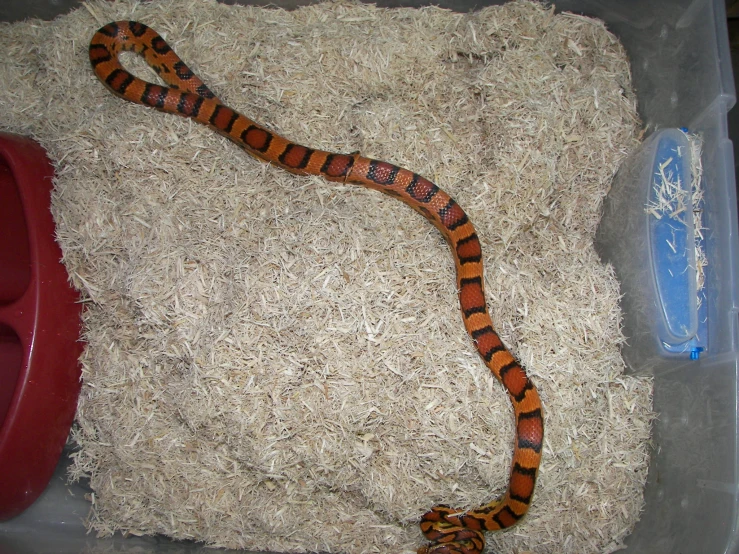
(682, 73)
(681, 69)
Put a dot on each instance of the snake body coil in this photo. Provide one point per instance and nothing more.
(450, 531)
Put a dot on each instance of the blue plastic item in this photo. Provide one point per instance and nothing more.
(648, 232)
(672, 243)
(671, 238)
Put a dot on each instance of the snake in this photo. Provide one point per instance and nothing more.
(448, 530)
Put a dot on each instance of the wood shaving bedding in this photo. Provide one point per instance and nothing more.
(278, 363)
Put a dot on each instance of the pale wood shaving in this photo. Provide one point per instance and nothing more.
(278, 363)
(697, 193)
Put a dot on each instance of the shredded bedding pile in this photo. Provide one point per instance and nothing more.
(279, 363)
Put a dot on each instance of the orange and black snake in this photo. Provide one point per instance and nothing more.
(450, 531)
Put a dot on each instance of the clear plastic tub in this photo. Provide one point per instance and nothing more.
(682, 73)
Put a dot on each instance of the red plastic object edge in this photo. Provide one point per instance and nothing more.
(39, 329)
